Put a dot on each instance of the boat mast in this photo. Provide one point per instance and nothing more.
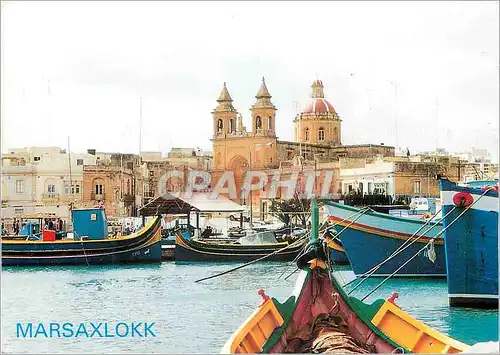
(70, 183)
(314, 220)
(140, 126)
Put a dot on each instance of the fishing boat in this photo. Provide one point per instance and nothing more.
(471, 244)
(369, 238)
(248, 248)
(32, 227)
(90, 244)
(319, 317)
(336, 249)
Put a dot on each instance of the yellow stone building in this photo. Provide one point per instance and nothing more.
(317, 131)
(317, 142)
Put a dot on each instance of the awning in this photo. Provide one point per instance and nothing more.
(181, 204)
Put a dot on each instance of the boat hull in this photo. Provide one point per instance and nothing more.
(471, 245)
(374, 236)
(142, 247)
(190, 250)
(337, 252)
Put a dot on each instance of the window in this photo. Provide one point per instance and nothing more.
(270, 124)
(79, 161)
(36, 158)
(370, 188)
(51, 189)
(321, 134)
(77, 189)
(220, 125)
(98, 189)
(258, 122)
(19, 186)
(306, 134)
(416, 187)
(231, 126)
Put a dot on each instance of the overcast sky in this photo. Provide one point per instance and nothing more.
(421, 75)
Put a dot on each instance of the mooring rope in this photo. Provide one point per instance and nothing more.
(256, 260)
(295, 243)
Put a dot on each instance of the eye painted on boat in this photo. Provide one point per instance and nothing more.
(463, 199)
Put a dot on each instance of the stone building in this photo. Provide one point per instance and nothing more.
(317, 131)
(42, 180)
(114, 182)
(399, 177)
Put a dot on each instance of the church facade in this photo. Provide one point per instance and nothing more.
(317, 139)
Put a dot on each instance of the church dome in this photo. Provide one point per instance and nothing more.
(317, 103)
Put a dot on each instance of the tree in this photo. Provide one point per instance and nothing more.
(284, 210)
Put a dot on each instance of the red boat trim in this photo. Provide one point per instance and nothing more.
(382, 232)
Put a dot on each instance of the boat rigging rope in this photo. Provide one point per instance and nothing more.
(425, 246)
(399, 250)
(324, 226)
(83, 247)
(256, 260)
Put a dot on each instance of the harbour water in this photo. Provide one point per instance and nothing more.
(189, 317)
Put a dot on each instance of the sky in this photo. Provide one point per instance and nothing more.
(422, 75)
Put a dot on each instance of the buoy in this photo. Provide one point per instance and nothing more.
(463, 199)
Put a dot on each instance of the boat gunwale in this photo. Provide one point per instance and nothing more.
(379, 214)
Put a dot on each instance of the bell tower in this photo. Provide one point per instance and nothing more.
(224, 115)
(263, 113)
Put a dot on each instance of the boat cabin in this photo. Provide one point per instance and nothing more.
(89, 223)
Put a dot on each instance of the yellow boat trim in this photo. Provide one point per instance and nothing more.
(181, 242)
(155, 238)
(318, 263)
(412, 334)
(332, 244)
(123, 237)
(254, 333)
(238, 245)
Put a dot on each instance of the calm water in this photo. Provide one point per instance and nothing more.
(189, 317)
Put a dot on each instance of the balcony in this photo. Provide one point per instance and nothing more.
(128, 199)
(97, 197)
(50, 197)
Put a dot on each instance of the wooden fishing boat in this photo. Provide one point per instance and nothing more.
(319, 316)
(192, 250)
(471, 243)
(336, 250)
(86, 249)
(33, 228)
(369, 237)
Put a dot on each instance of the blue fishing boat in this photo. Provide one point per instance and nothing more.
(90, 244)
(471, 244)
(336, 249)
(33, 227)
(369, 238)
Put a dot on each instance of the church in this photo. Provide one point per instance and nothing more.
(317, 144)
(317, 134)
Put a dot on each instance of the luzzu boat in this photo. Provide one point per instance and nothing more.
(471, 243)
(369, 237)
(193, 250)
(320, 317)
(336, 250)
(90, 244)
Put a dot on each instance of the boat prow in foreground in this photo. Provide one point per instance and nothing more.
(380, 327)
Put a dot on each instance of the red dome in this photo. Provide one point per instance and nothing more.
(318, 105)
